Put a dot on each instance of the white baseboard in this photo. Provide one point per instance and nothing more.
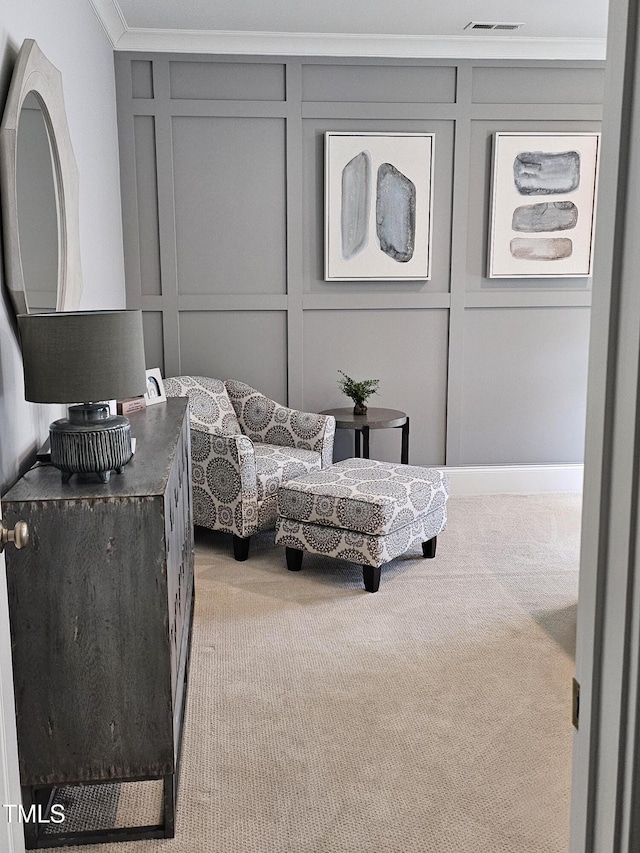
(515, 479)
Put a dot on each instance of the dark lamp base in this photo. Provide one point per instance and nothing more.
(90, 441)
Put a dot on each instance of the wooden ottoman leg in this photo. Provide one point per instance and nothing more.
(294, 559)
(429, 548)
(371, 575)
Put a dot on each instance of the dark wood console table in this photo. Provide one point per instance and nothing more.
(101, 606)
(375, 418)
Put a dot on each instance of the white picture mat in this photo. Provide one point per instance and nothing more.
(506, 198)
(411, 154)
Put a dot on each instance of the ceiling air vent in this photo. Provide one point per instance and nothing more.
(481, 25)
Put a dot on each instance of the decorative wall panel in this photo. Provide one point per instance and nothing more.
(217, 81)
(142, 79)
(379, 84)
(313, 190)
(524, 385)
(538, 85)
(147, 204)
(234, 285)
(235, 246)
(250, 346)
(393, 344)
(478, 218)
(153, 339)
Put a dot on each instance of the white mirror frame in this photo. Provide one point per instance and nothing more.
(34, 73)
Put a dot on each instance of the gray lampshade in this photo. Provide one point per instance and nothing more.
(82, 356)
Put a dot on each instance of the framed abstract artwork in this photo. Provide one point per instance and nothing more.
(378, 200)
(543, 205)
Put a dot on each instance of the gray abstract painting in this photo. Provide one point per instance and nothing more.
(356, 204)
(395, 213)
(546, 172)
(545, 216)
(541, 248)
(378, 205)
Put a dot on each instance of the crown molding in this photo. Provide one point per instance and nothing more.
(110, 16)
(337, 44)
(340, 44)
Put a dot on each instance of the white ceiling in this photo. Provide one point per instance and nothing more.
(553, 29)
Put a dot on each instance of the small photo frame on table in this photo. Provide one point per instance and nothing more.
(155, 387)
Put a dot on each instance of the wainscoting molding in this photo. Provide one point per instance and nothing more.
(222, 189)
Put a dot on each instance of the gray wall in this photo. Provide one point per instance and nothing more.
(70, 35)
(222, 180)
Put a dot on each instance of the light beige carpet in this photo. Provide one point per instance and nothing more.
(430, 717)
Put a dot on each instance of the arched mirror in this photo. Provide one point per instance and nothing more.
(39, 190)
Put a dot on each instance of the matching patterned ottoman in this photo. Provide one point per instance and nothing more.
(364, 511)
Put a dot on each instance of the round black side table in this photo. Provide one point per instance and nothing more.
(374, 419)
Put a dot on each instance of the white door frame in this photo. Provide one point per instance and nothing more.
(605, 814)
(11, 833)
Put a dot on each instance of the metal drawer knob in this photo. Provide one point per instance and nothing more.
(19, 535)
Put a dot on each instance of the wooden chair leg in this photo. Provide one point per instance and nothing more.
(371, 576)
(294, 559)
(241, 548)
(429, 548)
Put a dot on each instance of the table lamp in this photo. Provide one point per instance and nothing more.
(92, 356)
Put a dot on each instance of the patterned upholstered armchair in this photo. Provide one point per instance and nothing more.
(243, 447)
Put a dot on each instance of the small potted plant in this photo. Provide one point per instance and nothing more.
(359, 392)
